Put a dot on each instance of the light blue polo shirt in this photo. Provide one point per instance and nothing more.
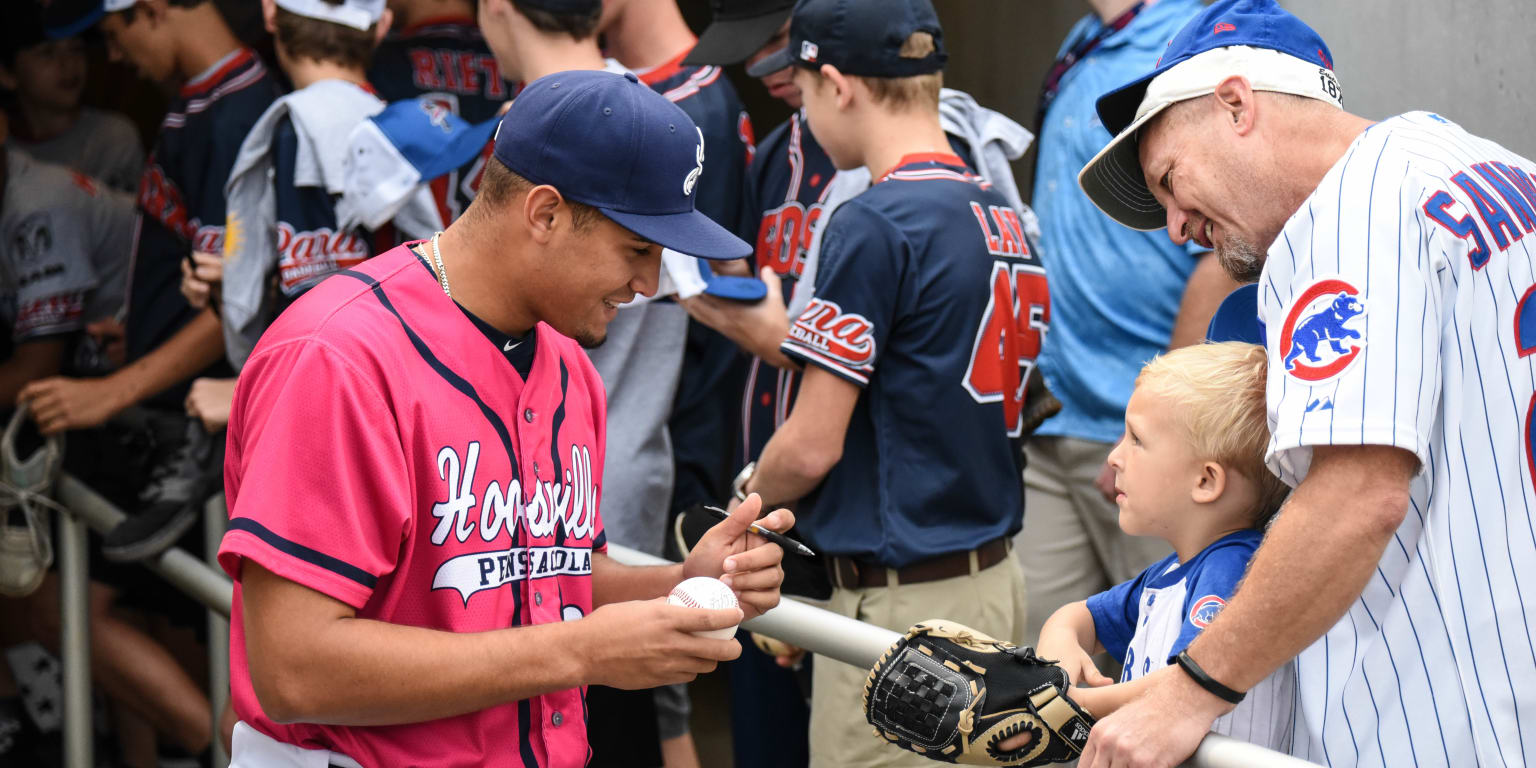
(1114, 291)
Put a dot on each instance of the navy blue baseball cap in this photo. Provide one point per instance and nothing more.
(859, 37)
(738, 29)
(611, 142)
(1256, 39)
(1237, 319)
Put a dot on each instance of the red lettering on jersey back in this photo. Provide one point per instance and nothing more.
(424, 69)
(1003, 231)
(1009, 339)
(494, 87)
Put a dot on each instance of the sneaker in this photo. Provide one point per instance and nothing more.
(26, 541)
(169, 503)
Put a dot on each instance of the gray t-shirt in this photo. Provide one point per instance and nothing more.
(102, 145)
(64, 249)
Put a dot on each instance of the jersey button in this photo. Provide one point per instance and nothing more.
(528, 415)
(538, 598)
(557, 719)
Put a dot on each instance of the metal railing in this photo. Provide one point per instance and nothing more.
(822, 632)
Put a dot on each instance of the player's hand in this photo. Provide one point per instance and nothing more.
(1071, 657)
(745, 561)
(784, 654)
(209, 401)
(757, 327)
(59, 404)
(1105, 482)
(648, 643)
(1159, 729)
(199, 277)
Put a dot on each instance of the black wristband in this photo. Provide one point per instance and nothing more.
(1206, 681)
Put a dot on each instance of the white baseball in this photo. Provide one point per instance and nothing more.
(704, 592)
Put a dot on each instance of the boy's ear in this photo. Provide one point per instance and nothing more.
(1211, 483)
(539, 209)
(842, 84)
(269, 16)
(386, 20)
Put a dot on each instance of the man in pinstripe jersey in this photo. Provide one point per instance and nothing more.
(1395, 270)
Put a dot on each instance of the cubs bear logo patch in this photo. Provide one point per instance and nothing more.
(1205, 609)
(1324, 331)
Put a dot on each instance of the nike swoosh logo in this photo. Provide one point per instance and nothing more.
(509, 346)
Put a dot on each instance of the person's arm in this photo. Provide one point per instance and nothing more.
(757, 327)
(1069, 639)
(31, 361)
(312, 660)
(59, 403)
(810, 442)
(1208, 285)
(1315, 561)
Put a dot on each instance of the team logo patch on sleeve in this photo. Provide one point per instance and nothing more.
(845, 337)
(1205, 610)
(1324, 331)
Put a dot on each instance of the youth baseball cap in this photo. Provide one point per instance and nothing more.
(859, 37)
(1257, 39)
(611, 142)
(739, 28)
(68, 18)
(357, 14)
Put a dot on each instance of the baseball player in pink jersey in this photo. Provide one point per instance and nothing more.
(415, 467)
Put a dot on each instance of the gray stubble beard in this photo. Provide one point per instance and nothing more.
(1242, 261)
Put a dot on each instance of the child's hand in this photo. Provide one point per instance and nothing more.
(1076, 661)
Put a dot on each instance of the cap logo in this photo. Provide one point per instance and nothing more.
(1324, 57)
(1223, 26)
(693, 176)
(809, 51)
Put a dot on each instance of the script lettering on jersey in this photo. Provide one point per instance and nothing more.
(304, 256)
(48, 312)
(1505, 214)
(458, 72)
(1002, 230)
(784, 236)
(541, 508)
(846, 337)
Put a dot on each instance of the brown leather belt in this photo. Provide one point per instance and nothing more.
(849, 573)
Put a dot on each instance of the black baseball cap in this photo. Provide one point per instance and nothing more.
(739, 29)
(859, 37)
(68, 18)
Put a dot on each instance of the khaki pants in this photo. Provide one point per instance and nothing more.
(989, 601)
(1072, 546)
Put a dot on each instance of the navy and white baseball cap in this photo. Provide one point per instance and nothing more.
(357, 14)
(859, 37)
(68, 18)
(611, 142)
(738, 29)
(1256, 39)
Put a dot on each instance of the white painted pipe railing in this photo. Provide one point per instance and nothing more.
(854, 642)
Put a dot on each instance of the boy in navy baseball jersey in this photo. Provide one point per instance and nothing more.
(928, 308)
(224, 89)
(1189, 470)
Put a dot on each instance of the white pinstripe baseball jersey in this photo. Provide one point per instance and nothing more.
(1397, 310)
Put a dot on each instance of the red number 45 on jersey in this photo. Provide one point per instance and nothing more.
(1009, 339)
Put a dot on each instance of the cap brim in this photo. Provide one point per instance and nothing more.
(772, 63)
(68, 18)
(734, 40)
(1113, 180)
(690, 233)
(736, 287)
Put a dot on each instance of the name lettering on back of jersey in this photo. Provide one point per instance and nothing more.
(1002, 229)
(845, 338)
(1204, 611)
(459, 72)
(570, 504)
(1324, 331)
(1503, 224)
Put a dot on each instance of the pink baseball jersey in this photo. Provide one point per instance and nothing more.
(397, 462)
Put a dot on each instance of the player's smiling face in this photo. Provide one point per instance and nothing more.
(780, 84)
(1155, 467)
(1208, 181)
(141, 43)
(594, 270)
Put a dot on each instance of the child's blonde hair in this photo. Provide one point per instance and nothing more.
(918, 92)
(1217, 394)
